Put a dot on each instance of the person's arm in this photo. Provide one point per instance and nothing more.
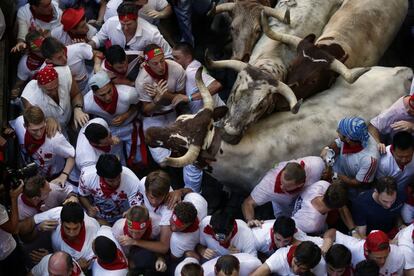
(377, 137)
(11, 226)
(120, 119)
(361, 231)
(64, 175)
(90, 209)
(347, 218)
(261, 270)
(248, 211)
(205, 252)
(350, 182)
(101, 12)
(213, 88)
(162, 246)
(175, 196)
(164, 13)
(328, 239)
(98, 58)
(79, 117)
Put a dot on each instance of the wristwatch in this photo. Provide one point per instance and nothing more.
(78, 106)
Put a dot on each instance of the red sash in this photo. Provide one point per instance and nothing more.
(347, 149)
(103, 148)
(209, 231)
(147, 233)
(45, 18)
(142, 146)
(192, 228)
(109, 107)
(34, 62)
(155, 75)
(31, 144)
(290, 254)
(76, 244)
(118, 264)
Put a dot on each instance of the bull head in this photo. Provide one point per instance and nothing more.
(188, 135)
(245, 26)
(316, 66)
(255, 94)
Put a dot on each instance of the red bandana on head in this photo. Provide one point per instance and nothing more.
(179, 223)
(278, 183)
(127, 17)
(45, 18)
(209, 231)
(108, 107)
(150, 55)
(118, 264)
(291, 254)
(105, 188)
(139, 226)
(34, 62)
(76, 244)
(31, 144)
(46, 75)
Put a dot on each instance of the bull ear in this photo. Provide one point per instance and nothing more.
(219, 112)
(349, 75)
(306, 43)
(335, 50)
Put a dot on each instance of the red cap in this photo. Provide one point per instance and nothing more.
(153, 53)
(137, 225)
(46, 75)
(71, 17)
(374, 241)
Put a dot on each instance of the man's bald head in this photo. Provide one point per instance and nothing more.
(60, 264)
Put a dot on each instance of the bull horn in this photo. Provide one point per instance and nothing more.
(286, 92)
(188, 158)
(205, 94)
(236, 65)
(349, 75)
(285, 18)
(216, 9)
(284, 38)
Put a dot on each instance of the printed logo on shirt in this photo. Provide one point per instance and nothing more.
(298, 205)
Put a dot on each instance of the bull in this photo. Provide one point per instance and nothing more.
(284, 136)
(253, 95)
(357, 35)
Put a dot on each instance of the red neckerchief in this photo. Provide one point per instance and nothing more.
(31, 144)
(65, 50)
(45, 18)
(392, 152)
(109, 67)
(278, 183)
(147, 233)
(28, 203)
(105, 188)
(192, 228)
(103, 148)
(347, 148)
(76, 244)
(109, 107)
(34, 62)
(290, 254)
(209, 231)
(155, 75)
(118, 264)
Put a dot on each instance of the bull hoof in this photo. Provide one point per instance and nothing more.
(295, 108)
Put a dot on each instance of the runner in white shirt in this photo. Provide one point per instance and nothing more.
(375, 247)
(294, 260)
(221, 234)
(110, 259)
(405, 242)
(281, 185)
(190, 265)
(75, 232)
(398, 117)
(113, 189)
(313, 204)
(57, 263)
(243, 265)
(74, 27)
(129, 31)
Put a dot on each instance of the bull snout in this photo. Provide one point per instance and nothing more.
(230, 139)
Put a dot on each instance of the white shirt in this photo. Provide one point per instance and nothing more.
(25, 20)
(393, 265)
(191, 87)
(146, 34)
(91, 228)
(7, 242)
(41, 269)
(243, 240)
(306, 217)
(264, 191)
(23, 72)
(51, 156)
(248, 264)
(64, 37)
(62, 111)
(406, 245)
(181, 242)
(387, 166)
(111, 208)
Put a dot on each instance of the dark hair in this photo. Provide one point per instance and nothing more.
(34, 2)
(95, 133)
(51, 46)
(367, 268)
(308, 254)
(294, 171)
(32, 35)
(227, 264)
(105, 249)
(33, 185)
(127, 8)
(284, 226)
(386, 184)
(192, 269)
(222, 222)
(335, 196)
(108, 166)
(186, 212)
(138, 213)
(150, 47)
(72, 212)
(185, 48)
(402, 140)
(158, 183)
(115, 54)
(338, 256)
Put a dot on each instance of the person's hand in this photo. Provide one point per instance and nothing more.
(160, 265)
(48, 225)
(254, 223)
(403, 126)
(233, 250)
(381, 148)
(52, 126)
(15, 93)
(151, 90)
(153, 13)
(120, 119)
(324, 248)
(37, 254)
(60, 180)
(162, 90)
(208, 254)
(96, 23)
(115, 140)
(125, 240)
(92, 211)
(14, 193)
(80, 118)
(72, 198)
(173, 198)
(324, 152)
(19, 47)
(84, 264)
(180, 98)
(327, 174)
